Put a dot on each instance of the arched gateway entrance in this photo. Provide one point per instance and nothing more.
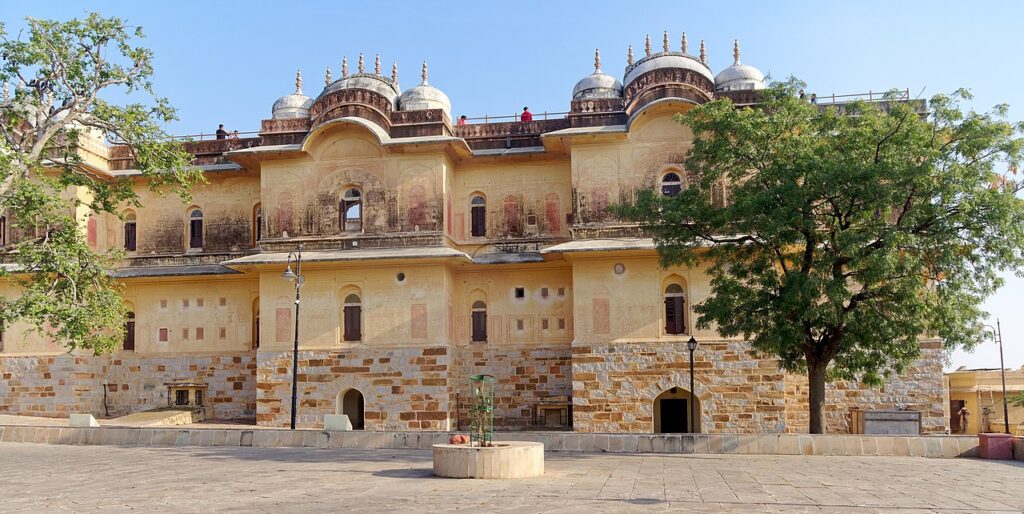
(672, 412)
(350, 403)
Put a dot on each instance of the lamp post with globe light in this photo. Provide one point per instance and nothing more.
(298, 279)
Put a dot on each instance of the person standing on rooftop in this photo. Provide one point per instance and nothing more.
(526, 115)
(221, 133)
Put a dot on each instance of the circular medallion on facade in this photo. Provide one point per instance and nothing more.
(620, 268)
(400, 276)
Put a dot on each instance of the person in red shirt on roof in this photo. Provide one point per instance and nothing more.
(526, 115)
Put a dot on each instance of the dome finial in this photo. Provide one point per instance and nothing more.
(344, 66)
(647, 45)
(736, 52)
(629, 56)
(362, 64)
(298, 81)
(664, 42)
(423, 73)
(394, 72)
(327, 76)
(376, 65)
(684, 45)
(597, 60)
(703, 53)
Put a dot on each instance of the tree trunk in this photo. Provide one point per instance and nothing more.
(816, 397)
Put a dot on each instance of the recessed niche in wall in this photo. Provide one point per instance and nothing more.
(400, 276)
(520, 292)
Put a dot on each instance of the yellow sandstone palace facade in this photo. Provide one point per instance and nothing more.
(433, 251)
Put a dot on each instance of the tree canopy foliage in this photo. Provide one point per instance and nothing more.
(837, 236)
(64, 75)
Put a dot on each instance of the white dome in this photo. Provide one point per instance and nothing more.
(425, 96)
(667, 60)
(597, 84)
(376, 83)
(295, 105)
(739, 76)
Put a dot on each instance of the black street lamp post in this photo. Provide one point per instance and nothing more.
(298, 279)
(997, 336)
(692, 346)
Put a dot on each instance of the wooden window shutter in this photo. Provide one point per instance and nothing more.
(129, 335)
(675, 319)
(479, 220)
(129, 236)
(196, 234)
(352, 328)
(480, 326)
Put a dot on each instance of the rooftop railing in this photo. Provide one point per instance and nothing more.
(870, 96)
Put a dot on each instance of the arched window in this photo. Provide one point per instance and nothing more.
(129, 332)
(675, 310)
(257, 224)
(130, 232)
(353, 313)
(478, 216)
(195, 230)
(479, 313)
(671, 184)
(350, 211)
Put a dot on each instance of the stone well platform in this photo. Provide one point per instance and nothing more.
(505, 459)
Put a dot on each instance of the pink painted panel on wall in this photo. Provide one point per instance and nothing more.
(283, 329)
(600, 313)
(419, 321)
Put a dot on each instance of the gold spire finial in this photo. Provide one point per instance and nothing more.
(647, 45)
(629, 56)
(423, 73)
(684, 45)
(597, 61)
(664, 42)
(736, 52)
(362, 64)
(703, 53)
(376, 65)
(344, 66)
(327, 76)
(394, 72)
(298, 81)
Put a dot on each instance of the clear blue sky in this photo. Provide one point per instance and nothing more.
(226, 62)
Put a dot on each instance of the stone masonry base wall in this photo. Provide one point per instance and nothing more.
(919, 388)
(59, 385)
(615, 386)
(524, 375)
(402, 388)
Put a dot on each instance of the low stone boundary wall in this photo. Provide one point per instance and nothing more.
(762, 444)
(1018, 448)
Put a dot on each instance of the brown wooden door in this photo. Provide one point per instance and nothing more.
(954, 416)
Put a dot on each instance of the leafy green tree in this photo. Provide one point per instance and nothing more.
(836, 237)
(63, 73)
(1016, 399)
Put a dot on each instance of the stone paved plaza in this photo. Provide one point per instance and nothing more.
(50, 478)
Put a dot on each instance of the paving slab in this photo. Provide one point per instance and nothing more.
(54, 478)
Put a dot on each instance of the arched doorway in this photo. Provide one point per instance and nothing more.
(672, 411)
(350, 403)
